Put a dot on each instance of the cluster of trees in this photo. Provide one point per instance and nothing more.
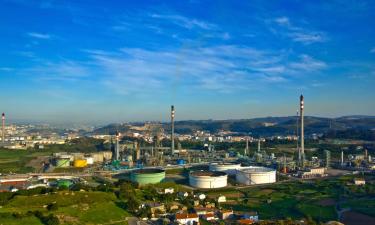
(353, 134)
(83, 144)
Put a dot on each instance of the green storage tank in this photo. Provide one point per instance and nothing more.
(62, 162)
(64, 183)
(147, 176)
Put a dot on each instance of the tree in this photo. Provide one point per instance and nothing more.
(132, 204)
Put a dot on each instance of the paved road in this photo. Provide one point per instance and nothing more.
(135, 221)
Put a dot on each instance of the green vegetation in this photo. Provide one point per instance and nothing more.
(16, 160)
(362, 205)
(69, 207)
(316, 199)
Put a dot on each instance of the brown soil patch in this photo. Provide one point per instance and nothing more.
(267, 191)
(67, 219)
(354, 218)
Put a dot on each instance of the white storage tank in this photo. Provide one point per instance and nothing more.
(89, 160)
(208, 179)
(256, 175)
(229, 168)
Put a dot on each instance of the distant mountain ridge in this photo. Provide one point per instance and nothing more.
(265, 126)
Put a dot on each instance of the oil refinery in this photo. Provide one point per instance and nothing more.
(147, 176)
(208, 179)
(256, 175)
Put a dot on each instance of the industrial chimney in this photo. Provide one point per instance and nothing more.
(3, 128)
(172, 129)
(247, 147)
(302, 131)
(117, 146)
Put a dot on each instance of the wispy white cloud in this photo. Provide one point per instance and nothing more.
(283, 21)
(185, 22)
(60, 71)
(307, 63)
(299, 34)
(220, 68)
(307, 37)
(171, 25)
(224, 68)
(39, 35)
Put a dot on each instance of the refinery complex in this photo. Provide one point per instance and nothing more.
(153, 155)
(148, 163)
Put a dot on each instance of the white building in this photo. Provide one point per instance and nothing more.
(201, 196)
(359, 181)
(169, 191)
(221, 198)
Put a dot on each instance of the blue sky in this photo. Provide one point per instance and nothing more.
(111, 61)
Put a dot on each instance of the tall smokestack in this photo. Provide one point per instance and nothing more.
(298, 149)
(117, 146)
(138, 151)
(342, 158)
(247, 146)
(3, 128)
(258, 145)
(302, 130)
(172, 129)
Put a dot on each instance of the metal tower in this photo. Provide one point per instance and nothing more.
(298, 149)
(172, 129)
(302, 131)
(3, 128)
(117, 146)
(247, 147)
(342, 158)
(328, 158)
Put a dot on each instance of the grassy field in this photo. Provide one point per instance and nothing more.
(72, 208)
(15, 160)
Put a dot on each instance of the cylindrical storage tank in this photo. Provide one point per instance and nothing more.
(63, 162)
(89, 160)
(64, 183)
(147, 176)
(98, 157)
(79, 163)
(208, 179)
(256, 175)
(229, 168)
(78, 155)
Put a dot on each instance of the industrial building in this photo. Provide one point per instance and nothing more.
(229, 168)
(256, 175)
(208, 179)
(147, 176)
(313, 172)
